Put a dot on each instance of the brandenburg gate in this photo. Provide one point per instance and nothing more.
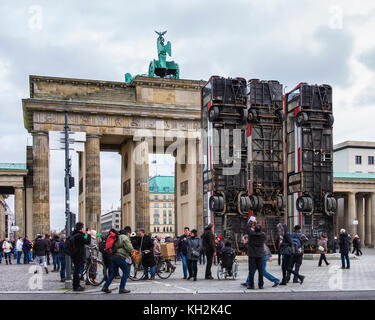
(147, 115)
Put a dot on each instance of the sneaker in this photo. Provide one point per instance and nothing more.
(152, 278)
(295, 281)
(250, 288)
(117, 277)
(347, 267)
(123, 291)
(275, 284)
(46, 270)
(282, 283)
(185, 277)
(261, 287)
(106, 290)
(244, 284)
(79, 289)
(36, 271)
(62, 280)
(301, 278)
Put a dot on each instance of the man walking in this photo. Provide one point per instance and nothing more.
(298, 239)
(267, 275)
(61, 257)
(119, 260)
(79, 238)
(26, 246)
(209, 247)
(7, 249)
(182, 250)
(39, 253)
(55, 253)
(256, 239)
(344, 244)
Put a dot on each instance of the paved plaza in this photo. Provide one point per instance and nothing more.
(20, 279)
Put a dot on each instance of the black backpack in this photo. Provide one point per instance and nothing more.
(70, 246)
(102, 244)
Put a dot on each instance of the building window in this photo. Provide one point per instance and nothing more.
(166, 189)
(170, 220)
(164, 221)
(156, 205)
(164, 205)
(164, 197)
(370, 160)
(358, 159)
(169, 205)
(156, 220)
(170, 198)
(170, 213)
(156, 197)
(164, 213)
(156, 213)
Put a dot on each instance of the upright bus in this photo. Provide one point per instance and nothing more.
(309, 145)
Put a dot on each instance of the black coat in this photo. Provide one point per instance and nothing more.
(79, 243)
(285, 245)
(344, 243)
(39, 248)
(357, 243)
(147, 244)
(208, 242)
(182, 244)
(193, 244)
(255, 245)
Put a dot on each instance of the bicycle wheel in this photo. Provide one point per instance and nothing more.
(162, 270)
(96, 273)
(136, 271)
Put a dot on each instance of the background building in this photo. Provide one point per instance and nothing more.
(162, 213)
(354, 188)
(111, 219)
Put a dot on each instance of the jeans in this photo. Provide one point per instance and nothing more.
(118, 262)
(286, 267)
(40, 260)
(47, 257)
(1, 256)
(295, 260)
(8, 257)
(343, 258)
(202, 258)
(256, 264)
(152, 271)
(56, 262)
(209, 264)
(267, 275)
(19, 253)
(184, 264)
(62, 267)
(30, 256)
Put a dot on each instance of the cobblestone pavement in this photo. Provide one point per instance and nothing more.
(361, 276)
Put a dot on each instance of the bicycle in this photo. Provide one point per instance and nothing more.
(94, 270)
(161, 269)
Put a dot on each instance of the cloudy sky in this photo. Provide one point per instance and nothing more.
(317, 41)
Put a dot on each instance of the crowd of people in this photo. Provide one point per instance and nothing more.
(117, 248)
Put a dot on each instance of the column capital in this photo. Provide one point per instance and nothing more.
(93, 135)
(39, 132)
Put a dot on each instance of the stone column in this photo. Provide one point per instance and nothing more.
(199, 191)
(41, 214)
(19, 210)
(352, 214)
(361, 224)
(93, 196)
(368, 220)
(2, 217)
(141, 176)
(372, 219)
(345, 219)
(82, 187)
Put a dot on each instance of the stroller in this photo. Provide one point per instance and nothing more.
(228, 266)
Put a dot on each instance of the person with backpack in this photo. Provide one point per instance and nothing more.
(39, 253)
(298, 239)
(55, 253)
(322, 247)
(120, 252)
(61, 257)
(106, 256)
(75, 248)
(285, 247)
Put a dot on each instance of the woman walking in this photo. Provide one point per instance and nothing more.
(193, 253)
(357, 245)
(7, 249)
(322, 246)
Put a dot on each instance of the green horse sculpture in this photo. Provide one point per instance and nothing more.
(162, 67)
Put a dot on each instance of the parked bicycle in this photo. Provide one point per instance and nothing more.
(95, 272)
(163, 269)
